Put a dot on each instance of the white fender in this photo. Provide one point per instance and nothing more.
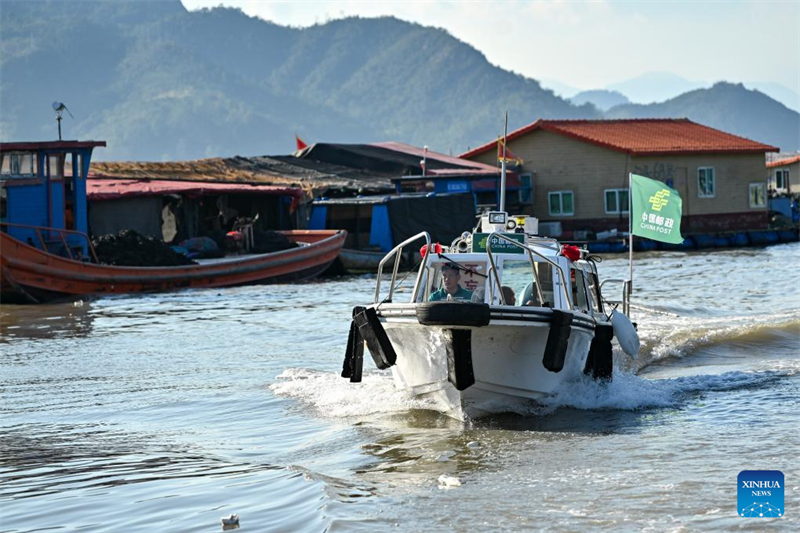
(626, 333)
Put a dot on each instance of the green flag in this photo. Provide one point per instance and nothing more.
(656, 210)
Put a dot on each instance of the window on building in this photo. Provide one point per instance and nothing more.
(18, 165)
(781, 178)
(526, 188)
(706, 187)
(758, 195)
(616, 201)
(561, 203)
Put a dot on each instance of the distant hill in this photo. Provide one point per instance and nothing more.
(161, 83)
(653, 87)
(601, 99)
(728, 107)
(778, 92)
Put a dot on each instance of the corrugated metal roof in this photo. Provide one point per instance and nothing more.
(49, 145)
(642, 136)
(436, 156)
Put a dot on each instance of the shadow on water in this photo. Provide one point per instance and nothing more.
(417, 446)
(69, 319)
(90, 457)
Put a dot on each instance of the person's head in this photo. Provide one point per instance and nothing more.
(450, 277)
(508, 295)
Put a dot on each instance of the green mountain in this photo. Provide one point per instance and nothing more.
(161, 83)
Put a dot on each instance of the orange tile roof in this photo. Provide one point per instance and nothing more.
(641, 136)
(783, 162)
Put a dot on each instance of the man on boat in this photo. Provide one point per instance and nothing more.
(451, 290)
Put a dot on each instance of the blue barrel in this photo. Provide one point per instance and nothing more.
(705, 240)
(788, 235)
(722, 242)
(618, 247)
(763, 238)
(738, 240)
(599, 247)
(644, 245)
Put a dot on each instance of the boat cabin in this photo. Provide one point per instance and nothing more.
(43, 185)
(513, 267)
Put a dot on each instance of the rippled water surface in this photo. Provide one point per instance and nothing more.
(167, 412)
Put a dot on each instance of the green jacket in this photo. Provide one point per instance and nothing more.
(441, 295)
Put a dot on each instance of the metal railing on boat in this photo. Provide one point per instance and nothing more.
(397, 251)
(627, 287)
(37, 230)
(531, 252)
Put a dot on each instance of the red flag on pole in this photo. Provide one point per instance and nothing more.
(510, 156)
(300, 143)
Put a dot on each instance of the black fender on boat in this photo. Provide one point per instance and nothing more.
(354, 353)
(378, 343)
(557, 341)
(600, 362)
(453, 314)
(459, 358)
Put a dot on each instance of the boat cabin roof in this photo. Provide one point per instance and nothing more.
(49, 145)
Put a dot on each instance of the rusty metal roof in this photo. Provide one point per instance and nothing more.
(313, 178)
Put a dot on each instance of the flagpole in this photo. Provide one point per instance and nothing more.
(630, 235)
(503, 169)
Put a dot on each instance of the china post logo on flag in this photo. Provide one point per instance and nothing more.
(760, 493)
(655, 210)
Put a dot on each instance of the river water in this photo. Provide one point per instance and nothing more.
(166, 412)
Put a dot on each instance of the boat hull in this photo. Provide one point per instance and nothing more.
(507, 358)
(34, 275)
(352, 261)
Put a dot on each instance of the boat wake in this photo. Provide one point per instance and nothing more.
(628, 391)
(329, 395)
(679, 337)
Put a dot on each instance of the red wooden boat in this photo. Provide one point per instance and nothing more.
(31, 274)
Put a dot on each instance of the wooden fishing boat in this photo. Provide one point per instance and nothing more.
(31, 274)
(46, 254)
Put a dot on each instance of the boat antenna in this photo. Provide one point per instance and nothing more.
(59, 108)
(503, 168)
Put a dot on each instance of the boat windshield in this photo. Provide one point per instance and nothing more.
(519, 283)
(466, 282)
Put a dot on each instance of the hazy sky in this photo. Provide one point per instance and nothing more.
(591, 44)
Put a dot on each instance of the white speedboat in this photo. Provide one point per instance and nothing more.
(500, 317)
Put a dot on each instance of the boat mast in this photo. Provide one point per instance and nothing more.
(503, 169)
(630, 238)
